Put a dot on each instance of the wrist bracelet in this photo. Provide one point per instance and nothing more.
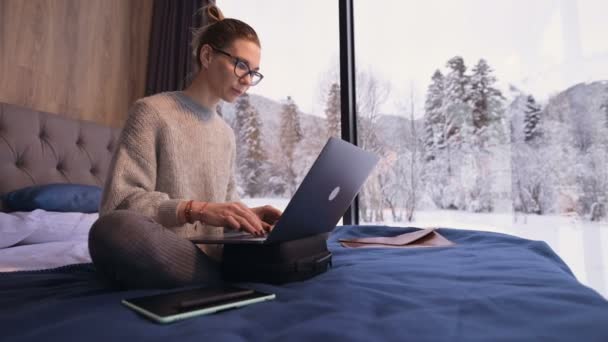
(188, 211)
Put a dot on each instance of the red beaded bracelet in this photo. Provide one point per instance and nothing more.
(188, 211)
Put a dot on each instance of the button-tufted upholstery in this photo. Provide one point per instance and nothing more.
(43, 148)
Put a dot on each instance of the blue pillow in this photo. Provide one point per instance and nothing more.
(55, 197)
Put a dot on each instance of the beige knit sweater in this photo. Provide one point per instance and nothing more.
(171, 149)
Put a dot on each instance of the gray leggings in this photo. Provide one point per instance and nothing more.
(130, 251)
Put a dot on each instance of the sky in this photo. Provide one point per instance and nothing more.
(540, 46)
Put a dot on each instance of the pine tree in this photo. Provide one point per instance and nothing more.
(486, 99)
(428, 141)
(333, 110)
(290, 137)
(251, 157)
(531, 120)
(433, 116)
(487, 104)
(455, 129)
(456, 108)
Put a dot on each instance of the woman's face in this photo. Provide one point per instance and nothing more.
(222, 77)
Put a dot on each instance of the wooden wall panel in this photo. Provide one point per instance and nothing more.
(83, 59)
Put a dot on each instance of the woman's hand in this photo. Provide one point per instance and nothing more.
(233, 215)
(269, 216)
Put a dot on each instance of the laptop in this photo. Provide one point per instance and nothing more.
(322, 198)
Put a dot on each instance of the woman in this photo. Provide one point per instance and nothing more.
(172, 174)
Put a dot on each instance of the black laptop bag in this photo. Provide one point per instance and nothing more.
(276, 263)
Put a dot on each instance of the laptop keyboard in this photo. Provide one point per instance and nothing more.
(236, 234)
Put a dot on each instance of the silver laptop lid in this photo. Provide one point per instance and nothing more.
(329, 187)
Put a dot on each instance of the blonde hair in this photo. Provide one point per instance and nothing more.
(220, 32)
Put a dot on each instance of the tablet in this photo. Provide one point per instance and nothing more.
(174, 306)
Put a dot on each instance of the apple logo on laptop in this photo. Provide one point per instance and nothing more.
(334, 193)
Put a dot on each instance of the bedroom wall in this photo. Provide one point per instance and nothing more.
(80, 59)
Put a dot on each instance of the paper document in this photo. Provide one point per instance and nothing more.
(421, 238)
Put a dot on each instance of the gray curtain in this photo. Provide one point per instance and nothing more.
(169, 56)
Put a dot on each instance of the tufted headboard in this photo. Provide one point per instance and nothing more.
(44, 148)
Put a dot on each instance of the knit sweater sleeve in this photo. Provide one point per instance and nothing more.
(131, 180)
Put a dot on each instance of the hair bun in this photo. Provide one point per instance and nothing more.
(214, 14)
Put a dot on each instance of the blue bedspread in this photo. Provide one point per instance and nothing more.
(489, 287)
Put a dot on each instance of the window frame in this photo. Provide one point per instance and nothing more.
(348, 94)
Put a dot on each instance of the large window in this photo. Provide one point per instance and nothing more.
(489, 115)
(282, 124)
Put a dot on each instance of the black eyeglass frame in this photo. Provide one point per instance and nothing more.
(237, 61)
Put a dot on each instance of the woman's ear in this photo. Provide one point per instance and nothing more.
(205, 56)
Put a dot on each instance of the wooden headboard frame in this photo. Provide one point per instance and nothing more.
(44, 148)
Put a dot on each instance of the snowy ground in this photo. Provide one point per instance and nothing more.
(583, 245)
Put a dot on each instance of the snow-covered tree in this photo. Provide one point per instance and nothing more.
(456, 129)
(537, 178)
(434, 119)
(456, 107)
(531, 120)
(486, 136)
(532, 187)
(414, 163)
(333, 110)
(312, 142)
(371, 94)
(448, 111)
(290, 137)
(441, 132)
(487, 107)
(464, 123)
(582, 129)
(251, 157)
(592, 183)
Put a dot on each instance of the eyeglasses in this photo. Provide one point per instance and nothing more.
(241, 68)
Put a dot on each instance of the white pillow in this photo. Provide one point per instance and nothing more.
(41, 226)
(14, 227)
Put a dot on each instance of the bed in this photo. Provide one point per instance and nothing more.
(487, 287)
